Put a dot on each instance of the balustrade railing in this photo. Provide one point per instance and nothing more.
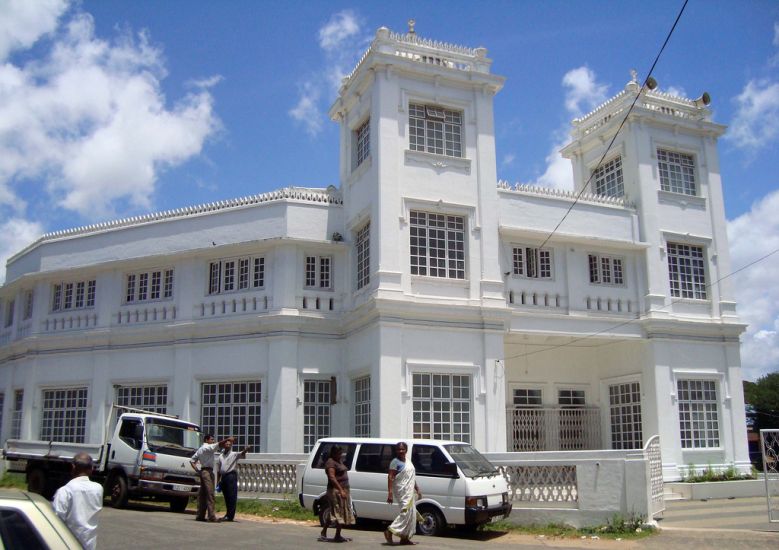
(232, 306)
(155, 314)
(268, 474)
(69, 322)
(553, 428)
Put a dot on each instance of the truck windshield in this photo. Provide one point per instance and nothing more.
(471, 462)
(170, 437)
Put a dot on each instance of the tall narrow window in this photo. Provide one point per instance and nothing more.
(243, 273)
(28, 305)
(532, 262)
(442, 406)
(56, 300)
(362, 407)
(363, 247)
(363, 135)
(606, 270)
(437, 245)
(698, 414)
(229, 275)
(168, 288)
(677, 172)
(608, 179)
(625, 412)
(68, 302)
(91, 291)
(435, 130)
(214, 278)
(259, 272)
(130, 295)
(10, 307)
(686, 271)
(80, 288)
(318, 272)
(233, 409)
(143, 287)
(64, 415)
(316, 411)
(18, 411)
(156, 285)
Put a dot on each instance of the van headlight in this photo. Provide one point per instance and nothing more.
(476, 502)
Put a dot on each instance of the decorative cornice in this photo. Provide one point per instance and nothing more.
(563, 194)
(331, 195)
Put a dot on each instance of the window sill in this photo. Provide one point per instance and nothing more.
(691, 301)
(702, 449)
(440, 163)
(681, 200)
(440, 280)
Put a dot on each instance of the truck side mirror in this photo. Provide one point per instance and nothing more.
(451, 469)
(138, 433)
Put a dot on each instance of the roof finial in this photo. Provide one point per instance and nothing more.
(411, 24)
(634, 76)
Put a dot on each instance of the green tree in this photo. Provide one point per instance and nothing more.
(763, 396)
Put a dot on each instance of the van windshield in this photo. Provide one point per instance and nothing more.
(171, 437)
(471, 462)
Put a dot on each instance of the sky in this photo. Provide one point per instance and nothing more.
(113, 108)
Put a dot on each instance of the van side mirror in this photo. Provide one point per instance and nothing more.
(451, 469)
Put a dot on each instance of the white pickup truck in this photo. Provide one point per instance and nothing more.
(148, 456)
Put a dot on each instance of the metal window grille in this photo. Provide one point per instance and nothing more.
(56, 302)
(572, 425)
(68, 302)
(437, 245)
(259, 272)
(442, 406)
(243, 273)
(229, 276)
(28, 304)
(149, 398)
(686, 271)
(531, 262)
(167, 291)
(625, 413)
(363, 142)
(143, 287)
(362, 407)
(16, 417)
(698, 413)
(435, 130)
(608, 179)
(64, 415)
(677, 172)
(233, 408)
(316, 411)
(362, 244)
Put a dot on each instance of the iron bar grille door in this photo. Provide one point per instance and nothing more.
(769, 445)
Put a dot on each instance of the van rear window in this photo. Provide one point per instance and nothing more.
(323, 452)
(375, 457)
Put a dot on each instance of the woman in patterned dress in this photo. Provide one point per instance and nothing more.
(402, 481)
(338, 497)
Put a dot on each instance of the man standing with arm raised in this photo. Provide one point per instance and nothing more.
(228, 477)
(204, 456)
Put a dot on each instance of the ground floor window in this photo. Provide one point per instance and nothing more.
(16, 418)
(149, 398)
(362, 407)
(64, 415)
(442, 406)
(573, 421)
(625, 410)
(698, 413)
(317, 405)
(233, 409)
(526, 421)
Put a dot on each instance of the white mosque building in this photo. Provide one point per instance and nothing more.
(421, 298)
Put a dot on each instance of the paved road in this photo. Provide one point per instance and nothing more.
(721, 524)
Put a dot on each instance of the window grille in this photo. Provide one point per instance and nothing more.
(64, 415)
(73, 295)
(316, 411)
(236, 274)
(608, 179)
(149, 398)
(18, 411)
(318, 272)
(606, 270)
(698, 414)
(148, 286)
(525, 397)
(363, 142)
(677, 172)
(442, 406)
(625, 412)
(435, 130)
(531, 262)
(686, 271)
(362, 245)
(362, 407)
(233, 409)
(437, 245)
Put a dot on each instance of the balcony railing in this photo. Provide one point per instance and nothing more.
(550, 428)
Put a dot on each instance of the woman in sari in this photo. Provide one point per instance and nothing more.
(338, 497)
(402, 481)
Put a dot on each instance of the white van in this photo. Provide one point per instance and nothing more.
(459, 486)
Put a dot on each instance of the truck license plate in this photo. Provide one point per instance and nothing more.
(186, 488)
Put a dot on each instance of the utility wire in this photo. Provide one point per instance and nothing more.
(611, 143)
(630, 321)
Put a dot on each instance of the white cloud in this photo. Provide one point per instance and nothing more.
(24, 22)
(89, 123)
(15, 234)
(753, 235)
(583, 93)
(756, 122)
(342, 41)
(508, 159)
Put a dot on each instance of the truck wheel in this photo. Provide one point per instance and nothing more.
(179, 505)
(38, 482)
(432, 522)
(117, 491)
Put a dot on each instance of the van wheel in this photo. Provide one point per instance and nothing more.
(432, 523)
(117, 491)
(179, 505)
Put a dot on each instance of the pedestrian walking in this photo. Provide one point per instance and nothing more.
(339, 499)
(203, 463)
(79, 502)
(228, 477)
(402, 481)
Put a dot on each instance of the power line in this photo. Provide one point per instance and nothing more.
(629, 321)
(621, 124)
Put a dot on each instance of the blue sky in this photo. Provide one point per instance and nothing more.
(110, 109)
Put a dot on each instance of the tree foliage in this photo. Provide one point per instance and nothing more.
(763, 398)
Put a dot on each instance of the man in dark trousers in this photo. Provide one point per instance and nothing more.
(228, 477)
(203, 463)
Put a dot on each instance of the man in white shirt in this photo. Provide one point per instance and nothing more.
(79, 502)
(203, 463)
(228, 477)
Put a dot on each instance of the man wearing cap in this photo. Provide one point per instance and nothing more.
(78, 502)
